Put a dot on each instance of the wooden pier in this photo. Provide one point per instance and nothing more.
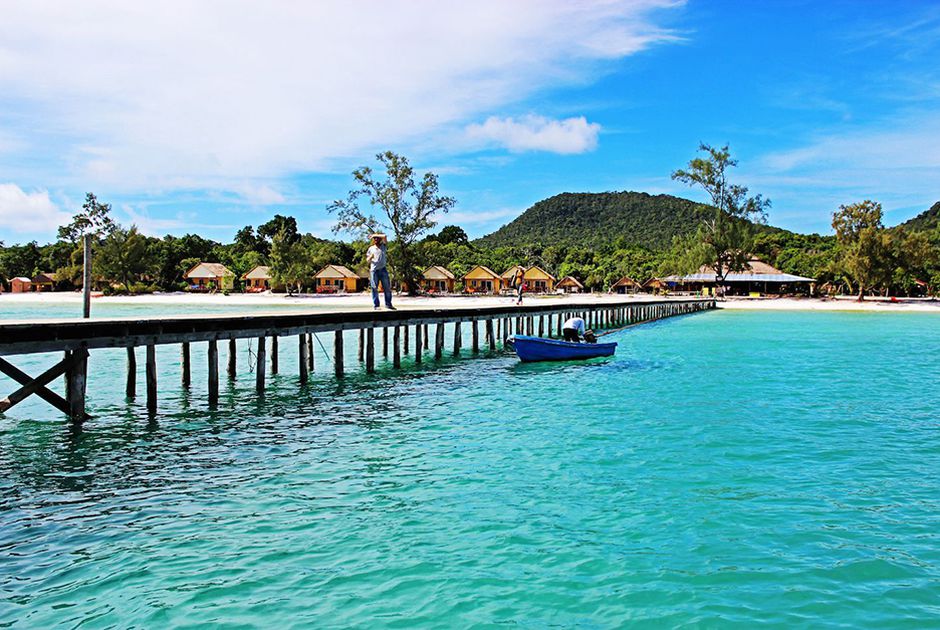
(406, 331)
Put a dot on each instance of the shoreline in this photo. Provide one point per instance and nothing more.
(363, 301)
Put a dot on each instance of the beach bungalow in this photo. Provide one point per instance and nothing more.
(539, 280)
(656, 285)
(257, 280)
(209, 277)
(626, 285)
(437, 279)
(20, 285)
(758, 279)
(43, 282)
(509, 275)
(339, 279)
(569, 284)
(482, 279)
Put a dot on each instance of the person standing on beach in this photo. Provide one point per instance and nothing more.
(377, 257)
(518, 282)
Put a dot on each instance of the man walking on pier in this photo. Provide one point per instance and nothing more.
(377, 257)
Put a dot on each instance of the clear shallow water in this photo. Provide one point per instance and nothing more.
(724, 469)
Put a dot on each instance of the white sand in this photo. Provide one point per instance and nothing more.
(363, 301)
(880, 305)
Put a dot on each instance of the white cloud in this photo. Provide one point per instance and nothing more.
(28, 212)
(180, 94)
(536, 133)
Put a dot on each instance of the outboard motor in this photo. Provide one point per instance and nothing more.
(590, 337)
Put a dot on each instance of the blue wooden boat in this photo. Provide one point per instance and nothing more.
(541, 349)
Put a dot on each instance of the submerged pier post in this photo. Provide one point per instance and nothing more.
(457, 334)
(439, 341)
(302, 357)
(130, 387)
(370, 350)
(273, 354)
(310, 360)
(338, 353)
(475, 336)
(396, 347)
(184, 359)
(385, 342)
(418, 344)
(405, 341)
(231, 369)
(76, 381)
(489, 334)
(259, 366)
(151, 361)
(213, 357)
(362, 343)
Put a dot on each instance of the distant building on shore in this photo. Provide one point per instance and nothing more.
(437, 279)
(569, 284)
(625, 285)
(539, 280)
(258, 279)
(207, 276)
(20, 284)
(43, 282)
(482, 279)
(339, 279)
(759, 279)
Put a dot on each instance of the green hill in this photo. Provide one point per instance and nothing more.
(926, 220)
(598, 219)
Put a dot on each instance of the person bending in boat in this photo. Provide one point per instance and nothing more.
(573, 329)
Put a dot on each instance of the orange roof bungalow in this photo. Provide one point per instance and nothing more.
(20, 284)
(339, 279)
(539, 280)
(210, 277)
(437, 279)
(258, 279)
(626, 285)
(569, 284)
(482, 279)
(43, 282)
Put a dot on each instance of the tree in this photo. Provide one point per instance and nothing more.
(724, 242)
(93, 219)
(450, 234)
(864, 246)
(279, 225)
(408, 209)
(122, 255)
(291, 262)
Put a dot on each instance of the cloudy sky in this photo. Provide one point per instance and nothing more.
(208, 116)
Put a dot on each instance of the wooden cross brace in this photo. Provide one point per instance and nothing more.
(73, 361)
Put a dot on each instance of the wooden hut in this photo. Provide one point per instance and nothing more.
(208, 276)
(539, 280)
(626, 285)
(482, 279)
(43, 282)
(569, 284)
(339, 279)
(258, 279)
(655, 285)
(20, 284)
(437, 279)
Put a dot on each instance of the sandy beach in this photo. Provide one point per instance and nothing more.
(363, 301)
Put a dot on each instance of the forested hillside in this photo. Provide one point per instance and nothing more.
(597, 219)
(926, 221)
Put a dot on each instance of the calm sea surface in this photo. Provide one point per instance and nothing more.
(727, 468)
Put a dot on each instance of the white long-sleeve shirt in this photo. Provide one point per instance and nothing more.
(575, 323)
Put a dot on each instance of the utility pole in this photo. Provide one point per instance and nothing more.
(86, 277)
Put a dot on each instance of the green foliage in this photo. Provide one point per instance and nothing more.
(93, 219)
(122, 255)
(864, 247)
(593, 220)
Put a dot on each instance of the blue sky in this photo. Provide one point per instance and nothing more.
(205, 117)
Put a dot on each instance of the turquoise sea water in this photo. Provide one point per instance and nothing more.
(724, 469)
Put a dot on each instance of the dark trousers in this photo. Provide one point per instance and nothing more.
(570, 334)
